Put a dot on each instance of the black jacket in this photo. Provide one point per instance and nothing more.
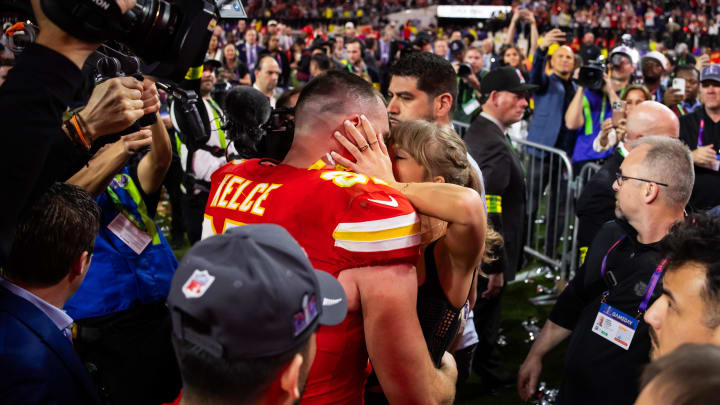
(504, 189)
(706, 192)
(596, 370)
(596, 204)
(35, 151)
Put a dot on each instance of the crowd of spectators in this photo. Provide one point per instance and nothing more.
(393, 228)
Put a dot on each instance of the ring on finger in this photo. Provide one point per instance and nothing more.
(364, 148)
(372, 143)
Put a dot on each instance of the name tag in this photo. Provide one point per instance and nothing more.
(615, 326)
(471, 106)
(127, 232)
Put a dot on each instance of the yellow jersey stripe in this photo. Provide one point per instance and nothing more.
(380, 245)
(378, 235)
(378, 225)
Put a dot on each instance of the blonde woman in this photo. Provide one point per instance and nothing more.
(428, 163)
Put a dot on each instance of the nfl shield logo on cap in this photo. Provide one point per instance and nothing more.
(197, 284)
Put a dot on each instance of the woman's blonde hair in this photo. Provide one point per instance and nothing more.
(441, 152)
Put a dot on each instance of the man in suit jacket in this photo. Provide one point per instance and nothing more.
(47, 263)
(385, 53)
(505, 95)
(250, 51)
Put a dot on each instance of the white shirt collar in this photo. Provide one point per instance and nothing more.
(56, 315)
(493, 120)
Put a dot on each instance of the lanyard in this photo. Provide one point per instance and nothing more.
(588, 115)
(218, 124)
(653, 280)
(657, 95)
(679, 107)
(700, 132)
(145, 223)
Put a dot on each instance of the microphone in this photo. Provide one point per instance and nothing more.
(247, 111)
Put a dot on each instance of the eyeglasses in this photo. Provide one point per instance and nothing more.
(620, 178)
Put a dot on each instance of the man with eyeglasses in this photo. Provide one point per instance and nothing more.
(596, 204)
(701, 133)
(602, 308)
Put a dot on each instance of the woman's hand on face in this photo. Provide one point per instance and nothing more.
(371, 156)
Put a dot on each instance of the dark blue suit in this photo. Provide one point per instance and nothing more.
(37, 362)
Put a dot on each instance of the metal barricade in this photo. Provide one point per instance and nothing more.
(583, 177)
(550, 220)
(461, 128)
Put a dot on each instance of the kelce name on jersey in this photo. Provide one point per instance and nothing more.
(241, 200)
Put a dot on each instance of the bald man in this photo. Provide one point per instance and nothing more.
(596, 204)
(548, 127)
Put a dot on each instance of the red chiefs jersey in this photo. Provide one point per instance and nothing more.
(343, 220)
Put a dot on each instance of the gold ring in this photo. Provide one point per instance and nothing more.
(372, 143)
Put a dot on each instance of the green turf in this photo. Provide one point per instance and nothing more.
(516, 308)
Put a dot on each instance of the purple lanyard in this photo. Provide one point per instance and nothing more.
(604, 260)
(653, 280)
(700, 132)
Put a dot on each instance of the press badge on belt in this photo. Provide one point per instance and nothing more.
(615, 325)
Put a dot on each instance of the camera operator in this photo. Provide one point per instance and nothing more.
(594, 102)
(470, 74)
(123, 326)
(200, 160)
(45, 80)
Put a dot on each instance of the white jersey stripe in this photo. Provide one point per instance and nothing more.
(380, 245)
(378, 225)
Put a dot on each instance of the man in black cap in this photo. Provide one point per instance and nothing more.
(701, 133)
(200, 161)
(504, 99)
(245, 306)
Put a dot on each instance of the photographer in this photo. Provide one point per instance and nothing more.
(470, 74)
(123, 327)
(591, 106)
(200, 159)
(38, 90)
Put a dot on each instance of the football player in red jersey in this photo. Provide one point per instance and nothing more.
(356, 228)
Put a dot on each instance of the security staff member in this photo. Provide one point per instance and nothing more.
(596, 204)
(505, 94)
(701, 133)
(199, 161)
(601, 309)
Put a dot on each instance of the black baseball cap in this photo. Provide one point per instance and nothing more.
(505, 79)
(250, 293)
(457, 46)
(212, 62)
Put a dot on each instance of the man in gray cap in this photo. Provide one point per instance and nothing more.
(245, 306)
(701, 133)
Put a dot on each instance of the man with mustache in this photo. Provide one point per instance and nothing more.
(601, 308)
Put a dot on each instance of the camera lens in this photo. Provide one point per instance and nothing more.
(154, 23)
(464, 70)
